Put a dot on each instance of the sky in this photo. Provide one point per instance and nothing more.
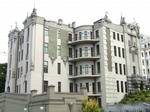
(81, 11)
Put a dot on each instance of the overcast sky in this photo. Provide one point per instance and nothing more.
(81, 11)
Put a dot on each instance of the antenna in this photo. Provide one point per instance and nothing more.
(16, 24)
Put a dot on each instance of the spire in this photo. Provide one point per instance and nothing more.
(122, 20)
(34, 12)
(106, 19)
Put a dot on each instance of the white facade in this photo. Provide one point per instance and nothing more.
(102, 57)
(145, 54)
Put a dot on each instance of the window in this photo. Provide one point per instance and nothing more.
(27, 53)
(122, 86)
(144, 71)
(25, 86)
(28, 33)
(18, 73)
(76, 36)
(80, 85)
(98, 67)
(114, 35)
(70, 52)
(134, 70)
(21, 71)
(148, 70)
(59, 68)
(70, 36)
(80, 50)
(85, 34)
(115, 51)
(86, 69)
(71, 87)
(120, 67)
(70, 69)
(119, 53)
(21, 54)
(122, 38)
(45, 69)
(143, 62)
(80, 69)
(76, 87)
(46, 32)
(76, 53)
(118, 38)
(80, 35)
(97, 49)
(45, 47)
(147, 62)
(58, 50)
(45, 86)
(59, 86)
(126, 87)
(94, 87)
(97, 33)
(26, 67)
(117, 86)
(116, 68)
(123, 52)
(92, 69)
(133, 57)
(76, 70)
(92, 51)
(145, 54)
(142, 54)
(99, 86)
(85, 51)
(87, 86)
(124, 67)
(91, 34)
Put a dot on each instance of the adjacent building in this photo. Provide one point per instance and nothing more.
(103, 57)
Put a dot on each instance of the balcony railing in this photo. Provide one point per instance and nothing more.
(88, 40)
(84, 76)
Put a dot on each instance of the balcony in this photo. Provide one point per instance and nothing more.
(84, 76)
(85, 58)
(87, 41)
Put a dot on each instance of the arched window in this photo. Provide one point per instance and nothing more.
(8, 89)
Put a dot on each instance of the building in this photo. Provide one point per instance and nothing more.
(103, 57)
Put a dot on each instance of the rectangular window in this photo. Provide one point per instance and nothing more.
(99, 86)
(123, 52)
(27, 53)
(85, 34)
(71, 87)
(26, 67)
(28, 33)
(76, 70)
(119, 53)
(85, 51)
(122, 39)
(45, 47)
(98, 67)
(70, 52)
(21, 71)
(87, 86)
(76, 37)
(45, 69)
(25, 86)
(21, 54)
(70, 36)
(117, 86)
(80, 35)
(59, 86)
(93, 70)
(76, 87)
(76, 53)
(80, 85)
(126, 87)
(94, 87)
(80, 69)
(122, 86)
(46, 32)
(97, 49)
(115, 51)
(91, 34)
(92, 51)
(59, 68)
(97, 33)
(70, 69)
(116, 68)
(124, 67)
(80, 50)
(45, 86)
(120, 67)
(114, 35)
(118, 38)
(86, 69)
(134, 70)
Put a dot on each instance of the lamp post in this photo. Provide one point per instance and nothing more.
(70, 105)
(43, 108)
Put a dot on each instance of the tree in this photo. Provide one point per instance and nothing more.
(3, 70)
(90, 105)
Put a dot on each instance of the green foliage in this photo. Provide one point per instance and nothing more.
(136, 97)
(90, 105)
(3, 69)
